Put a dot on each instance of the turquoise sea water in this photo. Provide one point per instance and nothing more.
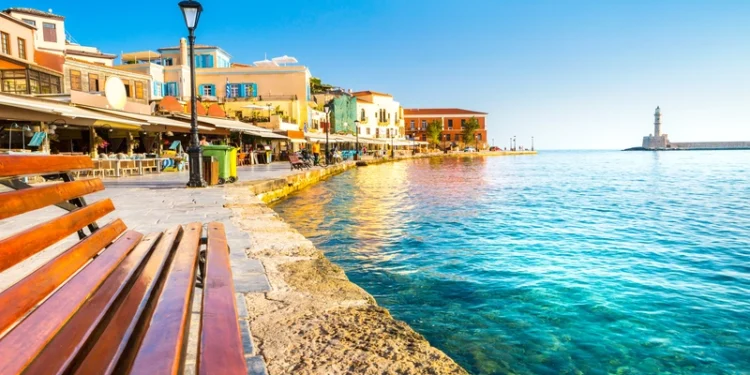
(561, 263)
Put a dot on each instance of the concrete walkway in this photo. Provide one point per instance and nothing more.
(154, 203)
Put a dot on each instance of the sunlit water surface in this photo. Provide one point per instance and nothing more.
(560, 263)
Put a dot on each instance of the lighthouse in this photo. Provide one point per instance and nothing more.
(657, 122)
(656, 141)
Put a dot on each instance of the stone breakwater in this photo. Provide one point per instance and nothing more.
(314, 320)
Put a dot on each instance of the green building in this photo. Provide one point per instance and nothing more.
(343, 113)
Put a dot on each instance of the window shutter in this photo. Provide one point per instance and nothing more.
(213, 90)
(241, 90)
(255, 90)
(198, 61)
(200, 90)
(209, 61)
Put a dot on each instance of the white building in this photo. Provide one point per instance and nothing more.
(379, 115)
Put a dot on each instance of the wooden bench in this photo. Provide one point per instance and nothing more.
(117, 301)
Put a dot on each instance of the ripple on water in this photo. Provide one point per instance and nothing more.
(561, 263)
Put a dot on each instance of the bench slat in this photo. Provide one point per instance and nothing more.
(16, 248)
(16, 202)
(125, 324)
(26, 340)
(163, 348)
(220, 347)
(79, 333)
(24, 165)
(25, 294)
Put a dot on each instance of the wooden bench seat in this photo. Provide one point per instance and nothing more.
(117, 301)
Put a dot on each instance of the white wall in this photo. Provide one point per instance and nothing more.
(59, 45)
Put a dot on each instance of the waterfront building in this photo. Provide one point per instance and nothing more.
(342, 112)
(20, 73)
(253, 92)
(380, 116)
(453, 120)
(90, 78)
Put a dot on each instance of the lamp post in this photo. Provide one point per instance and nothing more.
(191, 10)
(532, 143)
(328, 129)
(393, 151)
(356, 134)
(476, 141)
(514, 143)
(269, 105)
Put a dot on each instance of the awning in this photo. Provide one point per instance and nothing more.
(26, 108)
(151, 120)
(265, 134)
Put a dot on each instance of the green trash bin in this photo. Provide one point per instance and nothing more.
(223, 155)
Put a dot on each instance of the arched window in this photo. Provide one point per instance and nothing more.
(362, 115)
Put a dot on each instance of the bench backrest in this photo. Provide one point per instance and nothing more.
(293, 158)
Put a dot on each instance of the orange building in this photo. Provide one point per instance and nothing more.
(416, 120)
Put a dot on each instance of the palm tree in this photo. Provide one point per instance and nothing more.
(434, 132)
(469, 128)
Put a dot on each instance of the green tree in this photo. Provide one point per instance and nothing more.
(469, 128)
(434, 131)
(317, 86)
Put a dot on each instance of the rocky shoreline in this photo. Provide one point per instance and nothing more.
(314, 320)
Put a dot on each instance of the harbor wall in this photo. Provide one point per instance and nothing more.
(709, 145)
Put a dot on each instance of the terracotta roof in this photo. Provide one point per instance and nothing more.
(360, 93)
(241, 65)
(90, 54)
(360, 100)
(16, 20)
(440, 111)
(34, 12)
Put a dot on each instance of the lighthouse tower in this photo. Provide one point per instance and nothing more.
(656, 141)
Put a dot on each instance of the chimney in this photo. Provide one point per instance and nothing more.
(183, 52)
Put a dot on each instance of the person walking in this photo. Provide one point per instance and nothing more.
(316, 152)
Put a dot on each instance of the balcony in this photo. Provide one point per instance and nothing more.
(384, 123)
(364, 120)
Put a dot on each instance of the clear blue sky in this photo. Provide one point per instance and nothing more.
(574, 74)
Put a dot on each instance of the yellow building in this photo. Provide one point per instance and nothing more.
(244, 90)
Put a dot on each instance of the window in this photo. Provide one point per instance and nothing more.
(50, 32)
(424, 124)
(450, 124)
(377, 132)
(479, 137)
(75, 80)
(139, 90)
(30, 22)
(158, 89)
(424, 137)
(387, 133)
(447, 137)
(5, 42)
(22, 48)
(463, 123)
(250, 90)
(93, 82)
(368, 131)
(128, 93)
(172, 89)
(234, 90)
(167, 61)
(362, 115)
(14, 81)
(412, 124)
(207, 90)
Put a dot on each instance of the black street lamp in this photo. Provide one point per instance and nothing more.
(476, 141)
(393, 150)
(356, 132)
(269, 105)
(514, 143)
(191, 10)
(328, 129)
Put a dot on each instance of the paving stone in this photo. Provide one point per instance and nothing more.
(250, 282)
(248, 265)
(256, 366)
(241, 305)
(247, 339)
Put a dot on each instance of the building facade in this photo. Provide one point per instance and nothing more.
(453, 119)
(89, 77)
(343, 113)
(49, 27)
(19, 72)
(248, 91)
(379, 115)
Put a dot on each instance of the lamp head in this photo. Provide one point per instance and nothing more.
(191, 10)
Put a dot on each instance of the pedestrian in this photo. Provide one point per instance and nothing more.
(316, 152)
